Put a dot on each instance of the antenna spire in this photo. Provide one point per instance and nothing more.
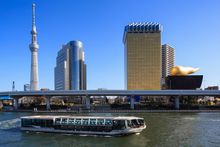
(33, 14)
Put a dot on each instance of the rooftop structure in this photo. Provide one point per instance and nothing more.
(145, 27)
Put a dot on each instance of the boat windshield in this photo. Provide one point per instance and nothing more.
(135, 123)
(141, 121)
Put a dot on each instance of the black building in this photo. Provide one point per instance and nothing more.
(189, 82)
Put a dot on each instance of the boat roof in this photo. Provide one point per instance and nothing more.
(79, 117)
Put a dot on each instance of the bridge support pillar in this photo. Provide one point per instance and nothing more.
(87, 102)
(132, 102)
(48, 103)
(177, 102)
(15, 103)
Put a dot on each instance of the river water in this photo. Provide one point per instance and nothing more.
(163, 130)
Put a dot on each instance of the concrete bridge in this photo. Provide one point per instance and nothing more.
(16, 95)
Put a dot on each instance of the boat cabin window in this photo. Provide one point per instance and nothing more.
(85, 121)
(100, 122)
(129, 123)
(64, 121)
(26, 122)
(57, 120)
(118, 124)
(78, 121)
(48, 123)
(92, 121)
(37, 122)
(71, 121)
(108, 122)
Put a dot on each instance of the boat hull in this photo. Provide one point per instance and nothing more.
(103, 133)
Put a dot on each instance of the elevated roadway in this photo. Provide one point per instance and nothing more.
(113, 93)
(88, 93)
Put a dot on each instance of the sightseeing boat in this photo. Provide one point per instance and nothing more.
(84, 125)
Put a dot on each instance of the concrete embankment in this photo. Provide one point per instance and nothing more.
(117, 111)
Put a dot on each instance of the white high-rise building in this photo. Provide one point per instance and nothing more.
(34, 54)
(167, 60)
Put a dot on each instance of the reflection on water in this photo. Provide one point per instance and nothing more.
(163, 129)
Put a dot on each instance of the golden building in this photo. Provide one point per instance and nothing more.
(143, 56)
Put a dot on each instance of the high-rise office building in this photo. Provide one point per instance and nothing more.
(26, 87)
(167, 60)
(70, 70)
(142, 42)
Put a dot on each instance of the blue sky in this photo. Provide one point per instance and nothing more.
(192, 27)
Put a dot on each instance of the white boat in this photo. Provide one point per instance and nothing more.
(84, 125)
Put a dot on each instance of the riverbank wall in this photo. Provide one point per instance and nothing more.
(115, 111)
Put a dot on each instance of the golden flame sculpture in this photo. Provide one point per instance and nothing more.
(182, 71)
